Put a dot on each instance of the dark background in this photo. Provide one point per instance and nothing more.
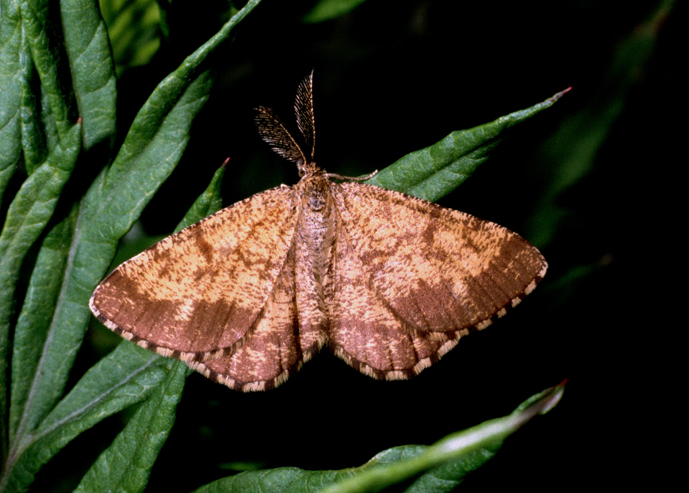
(588, 181)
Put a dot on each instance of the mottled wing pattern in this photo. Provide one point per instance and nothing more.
(273, 348)
(410, 277)
(199, 293)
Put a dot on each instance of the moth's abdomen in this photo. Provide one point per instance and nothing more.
(314, 238)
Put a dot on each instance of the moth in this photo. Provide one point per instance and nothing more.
(388, 282)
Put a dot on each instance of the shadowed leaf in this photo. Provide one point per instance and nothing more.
(126, 464)
(325, 10)
(438, 468)
(433, 172)
(126, 376)
(151, 150)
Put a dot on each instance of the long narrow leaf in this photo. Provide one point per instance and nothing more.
(33, 139)
(28, 214)
(126, 376)
(45, 51)
(101, 393)
(126, 464)
(110, 386)
(93, 72)
(209, 202)
(160, 134)
(469, 449)
(439, 467)
(10, 150)
(39, 305)
(435, 171)
(144, 129)
(106, 214)
(10, 90)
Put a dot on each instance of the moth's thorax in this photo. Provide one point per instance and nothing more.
(314, 191)
(316, 224)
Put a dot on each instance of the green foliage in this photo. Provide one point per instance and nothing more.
(77, 251)
(439, 467)
(126, 464)
(133, 30)
(58, 113)
(329, 9)
(435, 171)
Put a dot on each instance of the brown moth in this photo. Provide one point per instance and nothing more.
(387, 281)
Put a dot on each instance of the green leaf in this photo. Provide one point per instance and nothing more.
(10, 144)
(150, 152)
(10, 92)
(126, 464)
(28, 214)
(209, 202)
(435, 171)
(92, 69)
(438, 468)
(45, 51)
(134, 29)
(88, 91)
(33, 140)
(104, 476)
(138, 150)
(100, 393)
(330, 9)
(126, 376)
(39, 305)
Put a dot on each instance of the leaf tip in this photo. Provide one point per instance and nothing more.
(552, 397)
(558, 95)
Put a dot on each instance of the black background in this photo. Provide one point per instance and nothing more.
(391, 78)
